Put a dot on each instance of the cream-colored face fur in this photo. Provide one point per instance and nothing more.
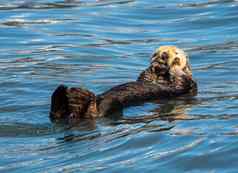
(175, 58)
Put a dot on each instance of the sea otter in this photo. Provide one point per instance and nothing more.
(169, 75)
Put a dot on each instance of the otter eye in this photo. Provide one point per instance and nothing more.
(176, 61)
(164, 56)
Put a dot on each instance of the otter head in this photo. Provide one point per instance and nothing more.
(71, 104)
(172, 60)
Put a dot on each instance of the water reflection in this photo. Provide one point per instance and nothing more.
(167, 112)
(170, 112)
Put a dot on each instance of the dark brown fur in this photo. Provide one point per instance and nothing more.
(71, 103)
(153, 83)
(152, 75)
(134, 93)
(76, 103)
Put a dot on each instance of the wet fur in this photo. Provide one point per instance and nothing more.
(72, 103)
(153, 83)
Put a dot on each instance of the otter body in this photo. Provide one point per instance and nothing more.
(169, 75)
(134, 93)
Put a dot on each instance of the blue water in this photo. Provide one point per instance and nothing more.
(99, 44)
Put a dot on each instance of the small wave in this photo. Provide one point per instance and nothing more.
(23, 22)
(205, 4)
(218, 47)
(17, 130)
(60, 4)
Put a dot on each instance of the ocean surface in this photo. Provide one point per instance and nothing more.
(98, 44)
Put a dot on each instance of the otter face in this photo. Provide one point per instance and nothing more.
(173, 59)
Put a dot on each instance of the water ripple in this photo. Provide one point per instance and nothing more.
(101, 43)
